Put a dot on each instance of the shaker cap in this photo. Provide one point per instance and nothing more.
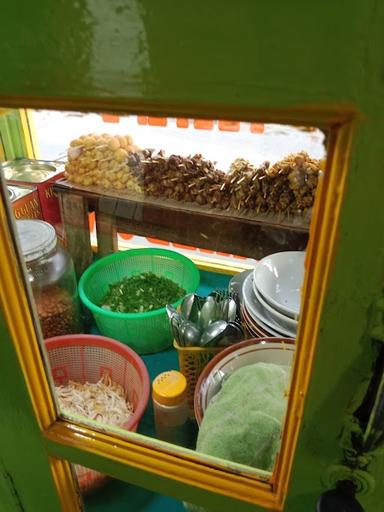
(169, 388)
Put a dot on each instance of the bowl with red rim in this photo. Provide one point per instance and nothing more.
(278, 351)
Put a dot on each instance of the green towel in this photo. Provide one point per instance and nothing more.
(242, 423)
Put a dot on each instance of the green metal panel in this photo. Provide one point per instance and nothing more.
(157, 484)
(26, 483)
(203, 55)
(210, 52)
(345, 353)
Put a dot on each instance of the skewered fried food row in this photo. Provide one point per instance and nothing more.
(288, 186)
(114, 162)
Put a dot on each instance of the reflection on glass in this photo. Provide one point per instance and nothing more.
(216, 223)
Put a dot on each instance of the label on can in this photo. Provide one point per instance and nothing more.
(25, 202)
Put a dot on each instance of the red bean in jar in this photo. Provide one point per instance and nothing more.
(52, 278)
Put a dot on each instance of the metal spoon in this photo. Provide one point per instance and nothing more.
(187, 304)
(212, 334)
(190, 334)
(231, 310)
(194, 315)
(171, 311)
(232, 334)
(207, 313)
(175, 330)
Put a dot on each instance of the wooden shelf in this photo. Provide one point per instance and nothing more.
(239, 233)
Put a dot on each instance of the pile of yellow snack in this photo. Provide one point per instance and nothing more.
(102, 160)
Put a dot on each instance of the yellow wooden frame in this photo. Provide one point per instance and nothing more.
(125, 453)
(29, 132)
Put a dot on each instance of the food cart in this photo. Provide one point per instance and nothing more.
(124, 60)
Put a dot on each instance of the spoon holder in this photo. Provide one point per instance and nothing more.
(192, 360)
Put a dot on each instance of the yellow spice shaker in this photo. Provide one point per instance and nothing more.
(170, 407)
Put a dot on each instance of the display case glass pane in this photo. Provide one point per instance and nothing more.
(124, 215)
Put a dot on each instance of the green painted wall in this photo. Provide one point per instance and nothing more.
(206, 55)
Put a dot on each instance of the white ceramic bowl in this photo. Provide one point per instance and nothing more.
(236, 283)
(279, 278)
(260, 314)
(283, 320)
(266, 350)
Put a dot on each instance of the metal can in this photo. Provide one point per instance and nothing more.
(42, 175)
(25, 202)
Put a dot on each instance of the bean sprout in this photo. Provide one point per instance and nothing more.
(104, 401)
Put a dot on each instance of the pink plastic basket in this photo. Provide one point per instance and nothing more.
(86, 358)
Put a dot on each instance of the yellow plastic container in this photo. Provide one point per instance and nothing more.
(170, 407)
(192, 360)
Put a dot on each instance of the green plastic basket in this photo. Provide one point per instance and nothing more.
(144, 332)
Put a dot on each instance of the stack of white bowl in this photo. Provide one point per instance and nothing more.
(271, 295)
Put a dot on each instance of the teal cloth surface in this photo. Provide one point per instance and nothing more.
(242, 423)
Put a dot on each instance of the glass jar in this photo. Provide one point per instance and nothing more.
(52, 277)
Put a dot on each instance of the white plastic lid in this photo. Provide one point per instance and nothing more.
(37, 238)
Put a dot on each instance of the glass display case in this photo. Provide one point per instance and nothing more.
(190, 275)
(218, 230)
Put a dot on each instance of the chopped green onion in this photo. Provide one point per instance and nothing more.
(141, 293)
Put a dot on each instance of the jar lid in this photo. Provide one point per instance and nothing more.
(169, 388)
(37, 238)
